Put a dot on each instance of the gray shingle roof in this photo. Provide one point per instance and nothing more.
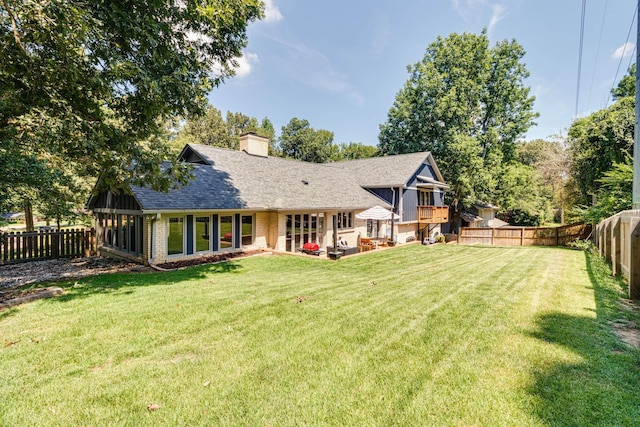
(384, 171)
(237, 180)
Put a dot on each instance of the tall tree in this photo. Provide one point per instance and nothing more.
(598, 141)
(551, 160)
(300, 141)
(213, 129)
(466, 102)
(462, 86)
(355, 150)
(93, 81)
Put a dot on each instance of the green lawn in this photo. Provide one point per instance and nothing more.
(448, 335)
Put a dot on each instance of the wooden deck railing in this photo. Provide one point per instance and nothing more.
(433, 214)
(50, 244)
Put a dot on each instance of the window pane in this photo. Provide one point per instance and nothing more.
(247, 230)
(226, 231)
(202, 233)
(175, 238)
(289, 230)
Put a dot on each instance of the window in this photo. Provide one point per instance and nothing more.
(247, 230)
(122, 232)
(175, 236)
(345, 220)
(426, 198)
(303, 228)
(203, 231)
(226, 232)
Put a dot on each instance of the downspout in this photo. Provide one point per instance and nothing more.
(393, 208)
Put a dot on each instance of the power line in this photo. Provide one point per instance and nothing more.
(595, 64)
(584, 8)
(624, 48)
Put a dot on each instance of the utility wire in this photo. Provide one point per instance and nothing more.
(595, 64)
(624, 48)
(584, 8)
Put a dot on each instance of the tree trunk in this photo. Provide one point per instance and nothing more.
(28, 215)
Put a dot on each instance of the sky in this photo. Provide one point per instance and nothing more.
(340, 64)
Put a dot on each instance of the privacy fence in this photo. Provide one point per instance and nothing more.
(46, 244)
(618, 241)
(524, 236)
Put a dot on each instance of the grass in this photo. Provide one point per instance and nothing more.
(447, 335)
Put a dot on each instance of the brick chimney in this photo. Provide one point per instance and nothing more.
(252, 143)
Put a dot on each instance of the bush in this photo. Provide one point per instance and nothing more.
(520, 217)
(584, 245)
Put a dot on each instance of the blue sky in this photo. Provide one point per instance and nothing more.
(339, 64)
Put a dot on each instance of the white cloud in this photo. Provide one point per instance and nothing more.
(314, 69)
(477, 10)
(245, 64)
(624, 51)
(381, 34)
(498, 11)
(271, 12)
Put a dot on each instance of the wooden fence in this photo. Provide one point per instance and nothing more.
(41, 245)
(524, 236)
(618, 241)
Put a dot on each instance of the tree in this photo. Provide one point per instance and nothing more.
(521, 195)
(93, 82)
(212, 129)
(462, 86)
(466, 102)
(355, 150)
(551, 160)
(627, 85)
(598, 141)
(300, 141)
(614, 195)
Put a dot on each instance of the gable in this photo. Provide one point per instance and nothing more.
(189, 155)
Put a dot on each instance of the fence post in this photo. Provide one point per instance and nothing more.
(607, 240)
(616, 251)
(634, 259)
(599, 238)
(521, 236)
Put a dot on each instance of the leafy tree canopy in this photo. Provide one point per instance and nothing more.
(466, 102)
(598, 141)
(92, 82)
(627, 85)
(300, 141)
(212, 129)
(462, 86)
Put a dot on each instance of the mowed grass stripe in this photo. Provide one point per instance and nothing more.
(448, 335)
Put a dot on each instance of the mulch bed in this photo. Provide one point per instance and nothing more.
(206, 260)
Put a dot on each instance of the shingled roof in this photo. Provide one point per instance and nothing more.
(230, 179)
(387, 171)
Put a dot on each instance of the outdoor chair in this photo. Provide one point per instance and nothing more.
(366, 244)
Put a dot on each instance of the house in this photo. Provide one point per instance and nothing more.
(246, 200)
(482, 215)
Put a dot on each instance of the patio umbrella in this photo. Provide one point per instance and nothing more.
(377, 213)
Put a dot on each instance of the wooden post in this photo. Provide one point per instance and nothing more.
(634, 259)
(493, 235)
(616, 250)
(607, 240)
(522, 236)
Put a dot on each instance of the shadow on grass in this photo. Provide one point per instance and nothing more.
(127, 283)
(600, 386)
